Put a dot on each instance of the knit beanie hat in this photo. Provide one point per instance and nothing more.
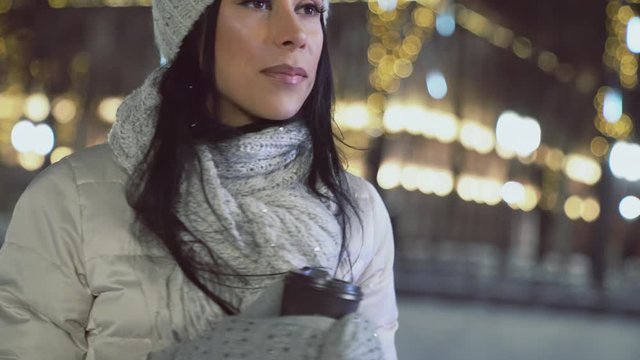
(173, 19)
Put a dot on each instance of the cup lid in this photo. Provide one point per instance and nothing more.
(320, 279)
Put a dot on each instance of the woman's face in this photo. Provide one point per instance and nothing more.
(266, 57)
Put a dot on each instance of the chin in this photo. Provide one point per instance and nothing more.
(279, 114)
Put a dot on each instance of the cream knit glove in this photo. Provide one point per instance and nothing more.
(282, 338)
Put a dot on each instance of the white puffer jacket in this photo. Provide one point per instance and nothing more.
(76, 284)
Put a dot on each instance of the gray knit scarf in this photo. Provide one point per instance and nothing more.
(245, 197)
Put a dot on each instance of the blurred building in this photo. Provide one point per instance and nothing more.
(500, 133)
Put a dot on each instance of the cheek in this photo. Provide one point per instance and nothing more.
(316, 41)
(234, 50)
(232, 65)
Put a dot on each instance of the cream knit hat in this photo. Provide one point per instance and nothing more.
(173, 19)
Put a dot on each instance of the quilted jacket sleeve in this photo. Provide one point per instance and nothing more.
(44, 300)
(377, 279)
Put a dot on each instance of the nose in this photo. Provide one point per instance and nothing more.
(287, 29)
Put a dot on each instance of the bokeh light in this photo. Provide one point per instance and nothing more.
(629, 207)
(27, 137)
(436, 84)
(37, 107)
(446, 23)
(612, 107)
(108, 108)
(64, 110)
(633, 35)
(624, 159)
(60, 153)
(582, 169)
(521, 135)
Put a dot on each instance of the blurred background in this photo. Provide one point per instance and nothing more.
(500, 133)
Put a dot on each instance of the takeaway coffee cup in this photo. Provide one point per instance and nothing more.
(312, 291)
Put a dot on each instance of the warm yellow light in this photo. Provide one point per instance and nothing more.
(353, 116)
(530, 200)
(37, 107)
(582, 169)
(410, 177)
(388, 16)
(10, 106)
(619, 130)
(385, 67)
(5, 6)
(554, 159)
(476, 136)
(427, 181)
(591, 210)
(599, 146)
(412, 44)
(490, 191)
(437, 181)
(504, 152)
(64, 110)
(108, 108)
(522, 47)
(513, 193)
(58, 4)
(376, 102)
(376, 52)
(629, 65)
(389, 175)
(395, 118)
(424, 17)
(417, 120)
(547, 61)
(440, 125)
(30, 161)
(625, 13)
(391, 40)
(443, 182)
(377, 30)
(573, 207)
(612, 9)
(480, 190)
(392, 85)
(403, 68)
(466, 187)
(598, 100)
(628, 81)
(474, 22)
(60, 153)
(502, 37)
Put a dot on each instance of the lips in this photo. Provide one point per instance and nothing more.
(286, 74)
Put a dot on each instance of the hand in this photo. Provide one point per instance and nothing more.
(267, 304)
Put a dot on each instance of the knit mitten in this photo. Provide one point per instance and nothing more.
(282, 338)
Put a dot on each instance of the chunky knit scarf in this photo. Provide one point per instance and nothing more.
(245, 197)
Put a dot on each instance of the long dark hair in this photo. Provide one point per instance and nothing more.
(188, 93)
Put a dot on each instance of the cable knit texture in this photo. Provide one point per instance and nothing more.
(245, 197)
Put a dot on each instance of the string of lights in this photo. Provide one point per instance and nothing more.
(394, 46)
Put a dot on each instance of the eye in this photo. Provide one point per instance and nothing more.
(311, 9)
(258, 4)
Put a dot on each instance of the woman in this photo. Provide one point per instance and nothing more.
(219, 176)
